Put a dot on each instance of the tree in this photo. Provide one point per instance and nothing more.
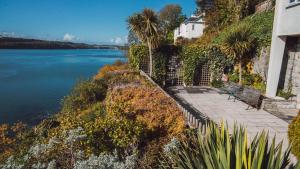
(132, 38)
(225, 12)
(238, 44)
(145, 25)
(203, 5)
(171, 16)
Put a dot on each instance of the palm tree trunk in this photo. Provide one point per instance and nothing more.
(240, 70)
(150, 57)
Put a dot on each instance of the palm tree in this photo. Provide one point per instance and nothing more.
(238, 44)
(146, 27)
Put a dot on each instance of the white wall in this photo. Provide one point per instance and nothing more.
(186, 30)
(288, 18)
(286, 23)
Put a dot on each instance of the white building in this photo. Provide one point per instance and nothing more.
(284, 64)
(191, 28)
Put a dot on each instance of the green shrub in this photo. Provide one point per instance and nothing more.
(84, 93)
(252, 80)
(294, 136)
(137, 53)
(285, 94)
(192, 56)
(261, 24)
(216, 148)
(261, 86)
(217, 83)
(159, 68)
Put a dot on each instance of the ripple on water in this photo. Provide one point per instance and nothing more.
(7, 73)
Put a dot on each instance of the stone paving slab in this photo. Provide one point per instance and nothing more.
(218, 108)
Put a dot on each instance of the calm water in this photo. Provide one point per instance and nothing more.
(33, 82)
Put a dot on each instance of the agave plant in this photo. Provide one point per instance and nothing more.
(215, 148)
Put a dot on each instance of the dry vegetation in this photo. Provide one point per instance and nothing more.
(118, 111)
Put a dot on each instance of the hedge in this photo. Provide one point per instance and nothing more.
(136, 55)
(294, 136)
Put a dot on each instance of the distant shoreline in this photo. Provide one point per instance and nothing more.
(22, 43)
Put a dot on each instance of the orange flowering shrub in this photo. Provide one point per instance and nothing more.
(151, 107)
(9, 135)
(157, 113)
(117, 66)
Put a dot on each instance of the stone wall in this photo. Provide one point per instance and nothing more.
(261, 63)
(284, 109)
(264, 6)
(290, 79)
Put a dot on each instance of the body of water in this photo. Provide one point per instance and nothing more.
(33, 82)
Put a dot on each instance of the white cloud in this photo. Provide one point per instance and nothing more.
(119, 40)
(126, 39)
(69, 37)
(8, 34)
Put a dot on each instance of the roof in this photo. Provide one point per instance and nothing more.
(193, 19)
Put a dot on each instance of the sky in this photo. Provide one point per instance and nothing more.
(88, 21)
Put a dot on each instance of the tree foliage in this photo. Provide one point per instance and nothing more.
(226, 12)
(238, 44)
(146, 27)
(171, 17)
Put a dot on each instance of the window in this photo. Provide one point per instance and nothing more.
(193, 27)
(293, 2)
(179, 30)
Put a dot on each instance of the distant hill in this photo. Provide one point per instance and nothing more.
(21, 43)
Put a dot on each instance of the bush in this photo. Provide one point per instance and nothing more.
(261, 24)
(159, 68)
(249, 79)
(84, 93)
(294, 136)
(137, 53)
(217, 148)
(217, 83)
(10, 138)
(192, 56)
(285, 94)
(117, 66)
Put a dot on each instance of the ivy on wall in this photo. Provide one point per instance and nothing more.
(195, 55)
(192, 56)
(137, 53)
(161, 55)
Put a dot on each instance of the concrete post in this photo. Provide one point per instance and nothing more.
(277, 52)
(298, 101)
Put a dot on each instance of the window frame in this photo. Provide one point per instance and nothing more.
(293, 3)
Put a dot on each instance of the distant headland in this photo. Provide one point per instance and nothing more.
(22, 43)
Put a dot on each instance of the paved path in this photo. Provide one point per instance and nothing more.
(218, 108)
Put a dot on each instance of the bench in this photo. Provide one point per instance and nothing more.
(246, 94)
(231, 89)
(250, 96)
